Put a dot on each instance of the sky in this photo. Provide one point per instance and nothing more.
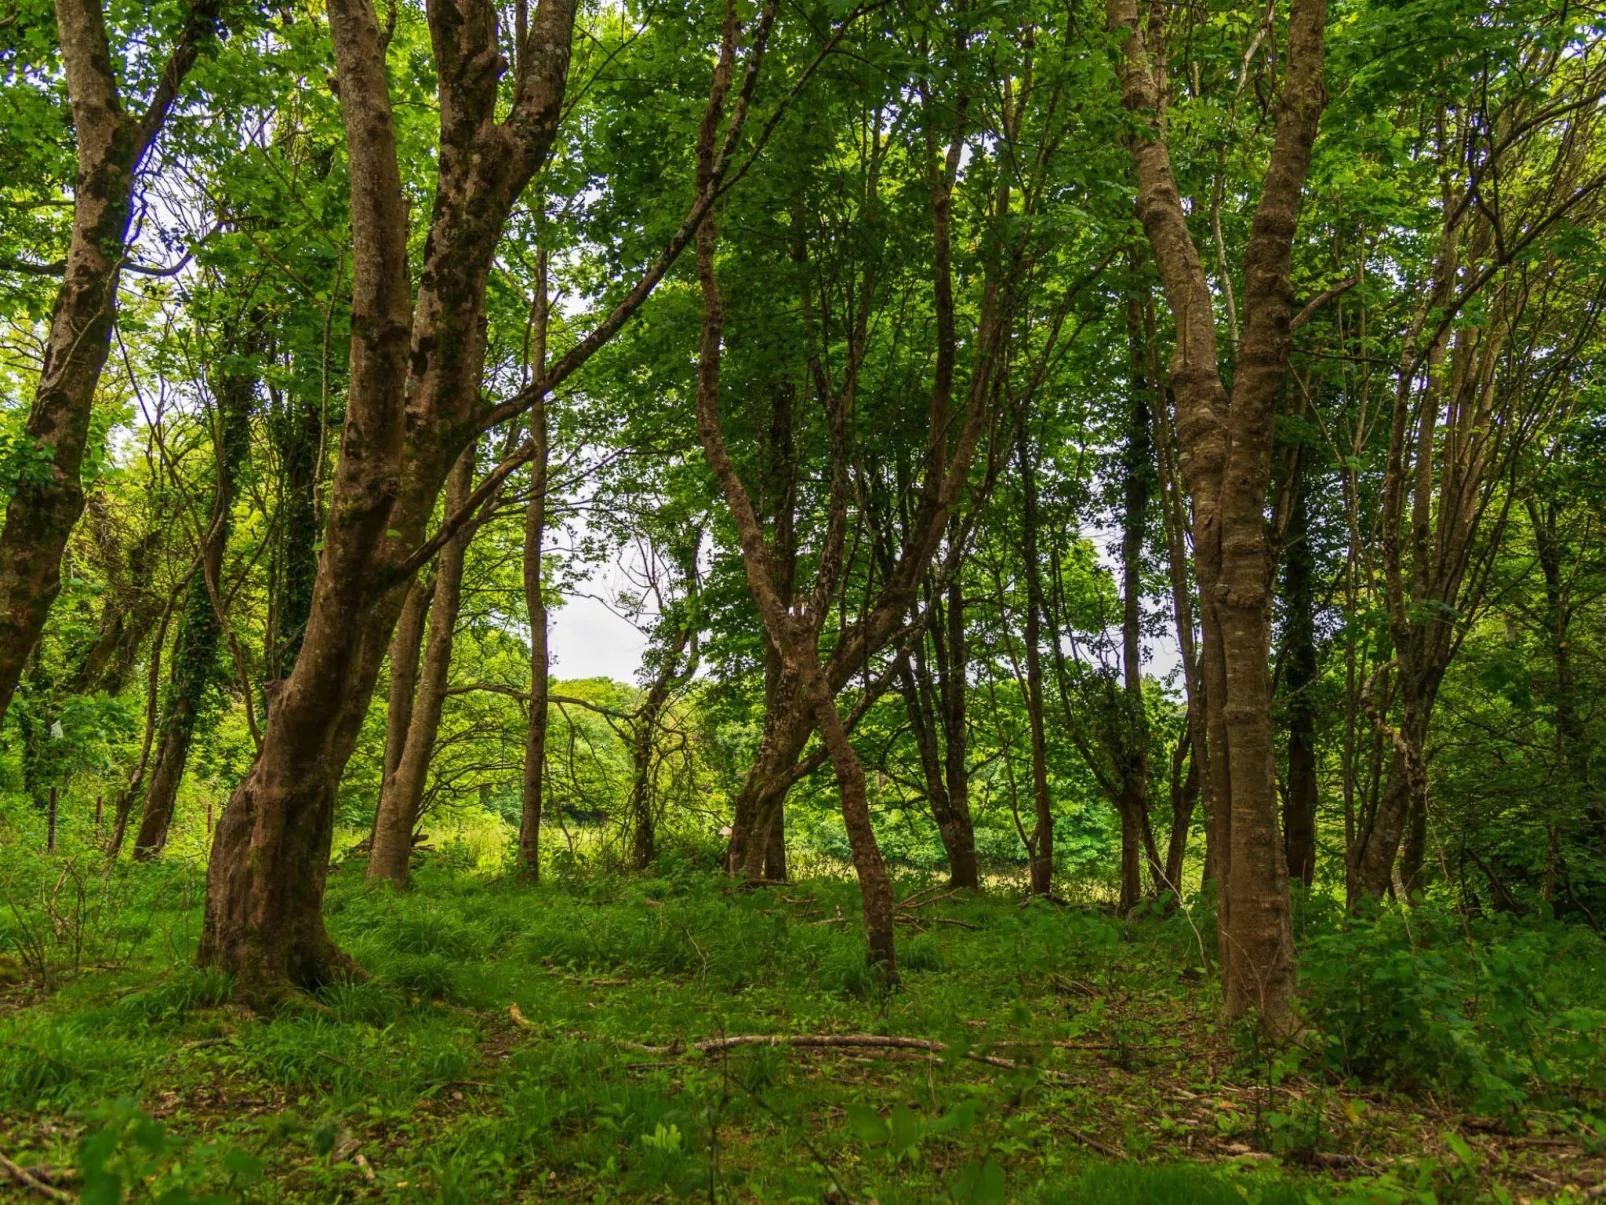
(587, 640)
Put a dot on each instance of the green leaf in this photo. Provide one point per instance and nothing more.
(866, 1123)
(979, 1184)
(905, 1128)
(242, 1165)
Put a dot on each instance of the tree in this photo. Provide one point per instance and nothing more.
(1226, 451)
(113, 145)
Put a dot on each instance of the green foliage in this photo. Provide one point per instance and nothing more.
(1491, 1013)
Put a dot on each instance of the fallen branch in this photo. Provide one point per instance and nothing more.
(816, 1041)
(28, 1180)
(918, 900)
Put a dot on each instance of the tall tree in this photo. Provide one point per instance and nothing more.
(195, 670)
(112, 145)
(413, 405)
(1226, 451)
(403, 793)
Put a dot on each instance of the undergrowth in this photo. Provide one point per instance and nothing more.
(516, 1043)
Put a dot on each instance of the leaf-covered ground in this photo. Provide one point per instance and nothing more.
(539, 1044)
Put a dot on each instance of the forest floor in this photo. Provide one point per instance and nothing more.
(524, 1044)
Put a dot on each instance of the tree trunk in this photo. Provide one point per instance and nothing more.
(195, 648)
(1299, 679)
(1226, 447)
(1137, 837)
(1041, 854)
(406, 650)
(782, 488)
(295, 427)
(757, 813)
(794, 631)
(403, 792)
(112, 146)
(1572, 742)
(953, 685)
(534, 779)
(411, 407)
(1184, 798)
(644, 820)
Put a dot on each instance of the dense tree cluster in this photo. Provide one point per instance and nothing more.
(1152, 444)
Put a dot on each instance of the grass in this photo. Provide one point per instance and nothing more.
(496, 1053)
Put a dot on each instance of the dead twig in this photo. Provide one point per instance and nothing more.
(28, 1180)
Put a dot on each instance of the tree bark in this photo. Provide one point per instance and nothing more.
(671, 674)
(783, 536)
(936, 706)
(1226, 446)
(406, 651)
(1573, 745)
(403, 792)
(412, 406)
(112, 145)
(295, 427)
(534, 778)
(195, 648)
(1299, 678)
(795, 632)
(1041, 853)
(1132, 753)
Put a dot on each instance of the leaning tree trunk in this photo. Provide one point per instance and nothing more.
(195, 648)
(403, 792)
(112, 146)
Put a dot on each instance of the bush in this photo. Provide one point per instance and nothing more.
(1488, 1012)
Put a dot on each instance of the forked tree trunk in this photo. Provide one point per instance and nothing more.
(403, 792)
(415, 369)
(795, 634)
(758, 808)
(112, 145)
(1226, 447)
(195, 648)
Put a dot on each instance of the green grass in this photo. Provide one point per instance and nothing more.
(422, 1071)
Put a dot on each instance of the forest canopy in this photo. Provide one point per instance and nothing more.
(1111, 498)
